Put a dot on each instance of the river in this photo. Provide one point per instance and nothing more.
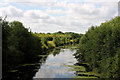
(58, 63)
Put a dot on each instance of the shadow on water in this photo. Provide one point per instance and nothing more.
(28, 71)
(22, 73)
(52, 65)
(25, 71)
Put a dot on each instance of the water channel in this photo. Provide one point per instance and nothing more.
(58, 63)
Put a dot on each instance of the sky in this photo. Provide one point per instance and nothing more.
(59, 15)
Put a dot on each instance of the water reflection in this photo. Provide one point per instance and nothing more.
(52, 65)
(56, 51)
(24, 71)
(55, 66)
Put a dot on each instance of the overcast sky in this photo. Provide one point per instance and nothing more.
(59, 15)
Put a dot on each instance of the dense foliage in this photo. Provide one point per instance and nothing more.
(19, 45)
(100, 47)
(50, 40)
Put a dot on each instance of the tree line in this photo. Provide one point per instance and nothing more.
(100, 48)
(51, 40)
(19, 45)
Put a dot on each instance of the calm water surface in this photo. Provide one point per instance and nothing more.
(56, 65)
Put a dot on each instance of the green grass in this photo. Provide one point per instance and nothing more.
(76, 68)
(82, 71)
(90, 73)
(83, 77)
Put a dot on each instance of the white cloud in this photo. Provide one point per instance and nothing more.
(61, 0)
(77, 17)
(3, 4)
(101, 0)
(56, 11)
(10, 11)
(36, 14)
(29, 1)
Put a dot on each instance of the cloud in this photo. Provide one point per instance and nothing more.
(10, 11)
(55, 11)
(36, 14)
(61, 1)
(66, 15)
(101, 0)
(3, 4)
(30, 1)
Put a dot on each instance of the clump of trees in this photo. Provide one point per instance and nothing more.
(100, 47)
(18, 45)
(58, 39)
(66, 38)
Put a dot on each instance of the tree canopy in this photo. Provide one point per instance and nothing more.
(100, 47)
